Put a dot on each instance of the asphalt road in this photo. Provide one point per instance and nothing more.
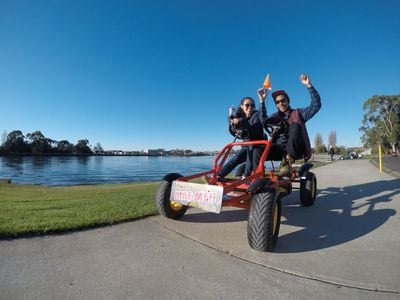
(346, 246)
(391, 165)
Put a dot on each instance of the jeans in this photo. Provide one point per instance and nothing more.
(249, 154)
(253, 157)
(237, 159)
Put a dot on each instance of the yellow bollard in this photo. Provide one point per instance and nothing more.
(380, 158)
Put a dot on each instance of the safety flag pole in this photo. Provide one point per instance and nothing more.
(380, 158)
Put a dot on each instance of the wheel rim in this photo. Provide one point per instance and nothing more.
(275, 218)
(176, 206)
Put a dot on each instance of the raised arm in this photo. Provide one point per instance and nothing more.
(262, 95)
(315, 105)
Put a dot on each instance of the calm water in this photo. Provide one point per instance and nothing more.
(53, 171)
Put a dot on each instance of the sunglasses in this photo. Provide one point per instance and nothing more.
(247, 105)
(280, 101)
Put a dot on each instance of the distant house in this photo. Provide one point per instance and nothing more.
(155, 152)
(366, 152)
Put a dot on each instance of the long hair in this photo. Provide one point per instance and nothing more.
(239, 112)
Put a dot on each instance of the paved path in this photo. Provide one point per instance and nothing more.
(346, 246)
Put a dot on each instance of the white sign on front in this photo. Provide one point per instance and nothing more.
(204, 196)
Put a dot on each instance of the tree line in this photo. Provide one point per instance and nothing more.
(16, 142)
(320, 147)
(380, 126)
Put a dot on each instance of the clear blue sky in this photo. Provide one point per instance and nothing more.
(134, 75)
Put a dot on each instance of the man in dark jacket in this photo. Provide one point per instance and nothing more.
(295, 143)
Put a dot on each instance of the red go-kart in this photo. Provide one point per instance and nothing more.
(261, 192)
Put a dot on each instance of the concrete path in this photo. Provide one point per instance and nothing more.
(346, 246)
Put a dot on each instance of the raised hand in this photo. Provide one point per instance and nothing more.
(262, 94)
(304, 79)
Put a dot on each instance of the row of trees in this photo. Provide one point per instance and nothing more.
(319, 146)
(36, 143)
(380, 126)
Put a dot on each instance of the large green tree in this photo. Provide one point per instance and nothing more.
(39, 143)
(381, 122)
(65, 147)
(15, 143)
(98, 149)
(82, 147)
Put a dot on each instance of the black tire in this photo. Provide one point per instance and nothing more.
(308, 189)
(166, 207)
(264, 220)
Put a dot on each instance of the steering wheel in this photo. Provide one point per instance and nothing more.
(275, 125)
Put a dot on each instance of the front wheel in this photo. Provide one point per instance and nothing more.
(308, 189)
(166, 207)
(264, 220)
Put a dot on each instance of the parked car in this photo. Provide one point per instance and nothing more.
(351, 155)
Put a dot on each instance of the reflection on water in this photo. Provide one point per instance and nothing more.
(39, 162)
(74, 170)
(12, 162)
(83, 160)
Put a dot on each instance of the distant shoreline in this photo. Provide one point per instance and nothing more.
(103, 154)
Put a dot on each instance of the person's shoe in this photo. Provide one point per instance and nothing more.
(223, 179)
(285, 169)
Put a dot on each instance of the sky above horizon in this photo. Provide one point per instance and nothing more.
(134, 75)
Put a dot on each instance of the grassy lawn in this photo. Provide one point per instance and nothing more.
(27, 210)
(317, 164)
(30, 210)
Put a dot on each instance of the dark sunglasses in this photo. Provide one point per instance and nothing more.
(247, 105)
(280, 101)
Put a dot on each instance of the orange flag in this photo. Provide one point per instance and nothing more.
(267, 83)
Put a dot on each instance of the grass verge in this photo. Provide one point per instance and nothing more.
(27, 210)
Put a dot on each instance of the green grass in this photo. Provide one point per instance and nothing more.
(317, 164)
(30, 210)
(27, 210)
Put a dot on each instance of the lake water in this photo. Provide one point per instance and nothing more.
(73, 170)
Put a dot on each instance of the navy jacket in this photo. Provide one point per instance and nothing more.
(253, 124)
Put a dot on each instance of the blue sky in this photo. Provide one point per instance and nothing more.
(134, 75)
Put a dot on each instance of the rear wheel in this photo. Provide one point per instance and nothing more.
(264, 220)
(166, 207)
(308, 189)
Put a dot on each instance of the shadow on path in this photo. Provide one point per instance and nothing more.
(339, 215)
(223, 217)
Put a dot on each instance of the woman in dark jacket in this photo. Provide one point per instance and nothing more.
(251, 121)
